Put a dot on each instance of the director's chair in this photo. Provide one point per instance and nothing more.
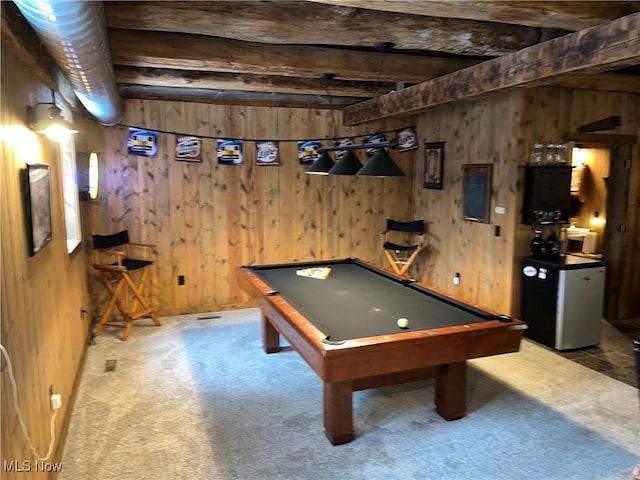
(124, 269)
(402, 255)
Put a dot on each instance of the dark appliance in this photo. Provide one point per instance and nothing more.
(547, 194)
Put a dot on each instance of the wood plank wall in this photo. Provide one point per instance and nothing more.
(206, 219)
(484, 131)
(500, 131)
(42, 326)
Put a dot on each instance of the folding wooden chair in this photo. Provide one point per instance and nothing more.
(124, 269)
(402, 255)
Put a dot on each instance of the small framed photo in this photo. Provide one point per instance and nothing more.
(433, 165)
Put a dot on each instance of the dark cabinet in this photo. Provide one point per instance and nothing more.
(547, 194)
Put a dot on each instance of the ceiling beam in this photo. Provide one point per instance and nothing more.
(545, 14)
(195, 52)
(297, 22)
(230, 97)
(248, 82)
(608, 46)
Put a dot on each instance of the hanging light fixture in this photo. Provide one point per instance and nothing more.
(347, 165)
(321, 165)
(324, 163)
(380, 165)
(54, 126)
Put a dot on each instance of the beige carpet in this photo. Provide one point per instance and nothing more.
(198, 399)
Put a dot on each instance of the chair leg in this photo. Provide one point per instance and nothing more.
(407, 265)
(114, 300)
(128, 315)
(392, 261)
(137, 290)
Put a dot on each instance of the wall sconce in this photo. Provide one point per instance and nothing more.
(93, 175)
(596, 220)
(54, 126)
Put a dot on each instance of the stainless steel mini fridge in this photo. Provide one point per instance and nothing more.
(561, 300)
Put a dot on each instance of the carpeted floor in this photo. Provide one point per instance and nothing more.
(198, 399)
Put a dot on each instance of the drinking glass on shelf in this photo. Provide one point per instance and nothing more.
(562, 152)
(537, 150)
(551, 153)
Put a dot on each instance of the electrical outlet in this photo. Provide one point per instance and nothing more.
(56, 401)
(180, 279)
(456, 279)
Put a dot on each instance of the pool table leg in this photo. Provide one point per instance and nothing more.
(338, 412)
(451, 391)
(270, 336)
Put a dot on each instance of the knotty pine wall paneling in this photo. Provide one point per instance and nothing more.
(483, 131)
(43, 296)
(206, 219)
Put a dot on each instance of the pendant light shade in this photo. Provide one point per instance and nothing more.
(321, 166)
(347, 165)
(380, 165)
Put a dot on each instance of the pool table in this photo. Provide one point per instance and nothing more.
(345, 327)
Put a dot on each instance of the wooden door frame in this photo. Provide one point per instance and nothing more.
(620, 232)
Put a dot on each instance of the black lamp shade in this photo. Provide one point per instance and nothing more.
(380, 165)
(347, 165)
(321, 165)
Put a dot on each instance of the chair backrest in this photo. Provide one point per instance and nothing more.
(415, 226)
(109, 241)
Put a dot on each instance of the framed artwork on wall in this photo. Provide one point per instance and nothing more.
(37, 201)
(433, 165)
(476, 192)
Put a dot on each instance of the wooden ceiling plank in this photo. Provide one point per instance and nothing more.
(247, 82)
(194, 52)
(545, 14)
(279, 22)
(615, 44)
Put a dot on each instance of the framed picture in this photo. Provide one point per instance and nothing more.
(433, 165)
(476, 192)
(37, 201)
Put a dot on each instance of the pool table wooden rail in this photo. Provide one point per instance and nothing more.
(384, 353)
(382, 360)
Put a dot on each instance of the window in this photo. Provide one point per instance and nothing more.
(70, 191)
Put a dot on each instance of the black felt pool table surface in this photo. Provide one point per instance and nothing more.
(357, 300)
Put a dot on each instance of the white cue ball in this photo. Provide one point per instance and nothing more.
(403, 322)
